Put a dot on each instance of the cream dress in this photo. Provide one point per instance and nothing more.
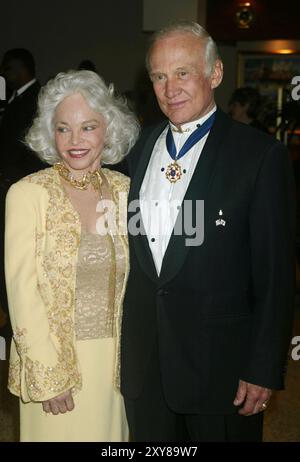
(99, 413)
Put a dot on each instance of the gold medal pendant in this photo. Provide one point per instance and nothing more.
(173, 172)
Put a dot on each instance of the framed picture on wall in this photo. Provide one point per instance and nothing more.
(271, 74)
(267, 71)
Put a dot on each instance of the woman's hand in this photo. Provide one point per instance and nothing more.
(60, 404)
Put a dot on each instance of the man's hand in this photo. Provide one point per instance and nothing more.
(59, 404)
(253, 397)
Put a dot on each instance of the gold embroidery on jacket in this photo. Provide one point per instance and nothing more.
(57, 289)
(19, 338)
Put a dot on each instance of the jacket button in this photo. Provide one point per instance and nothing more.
(162, 292)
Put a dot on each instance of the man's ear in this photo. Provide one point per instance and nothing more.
(217, 74)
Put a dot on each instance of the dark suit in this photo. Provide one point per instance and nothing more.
(16, 160)
(221, 311)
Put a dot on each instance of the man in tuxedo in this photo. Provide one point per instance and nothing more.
(16, 160)
(209, 304)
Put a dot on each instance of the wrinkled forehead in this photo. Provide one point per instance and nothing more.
(179, 47)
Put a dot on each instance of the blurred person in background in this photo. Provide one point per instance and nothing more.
(245, 106)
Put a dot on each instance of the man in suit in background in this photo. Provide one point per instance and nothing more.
(209, 304)
(16, 160)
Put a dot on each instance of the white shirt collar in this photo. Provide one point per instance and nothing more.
(24, 88)
(191, 126)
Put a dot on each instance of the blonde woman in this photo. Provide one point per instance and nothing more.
(67, 265)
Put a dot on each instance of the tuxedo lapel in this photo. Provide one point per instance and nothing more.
(198, 189)
(140, 241)
(144, 161)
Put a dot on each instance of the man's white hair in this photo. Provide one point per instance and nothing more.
(211, 50)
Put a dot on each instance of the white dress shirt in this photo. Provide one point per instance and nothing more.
(21, 90)
(160, 200)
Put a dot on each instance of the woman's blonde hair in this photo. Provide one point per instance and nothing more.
(122, 127)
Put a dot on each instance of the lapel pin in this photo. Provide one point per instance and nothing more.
(220, 221)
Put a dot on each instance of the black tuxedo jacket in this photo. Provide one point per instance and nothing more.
(221, 311)
(16, 160)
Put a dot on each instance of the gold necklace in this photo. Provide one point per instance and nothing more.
(93, 178)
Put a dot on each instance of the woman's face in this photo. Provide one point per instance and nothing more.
(79, 134)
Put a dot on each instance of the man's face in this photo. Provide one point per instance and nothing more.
(12, 70)
(177, 71)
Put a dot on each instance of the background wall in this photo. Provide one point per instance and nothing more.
(62, 33)
(159, 12)
(228, 54)
(112, 34)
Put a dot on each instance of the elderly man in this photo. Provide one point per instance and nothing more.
(209, 305)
